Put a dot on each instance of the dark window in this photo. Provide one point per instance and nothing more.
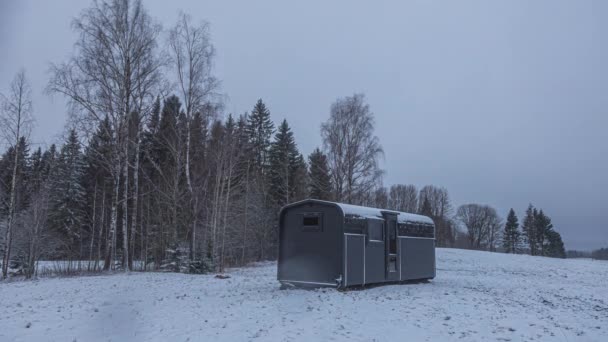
(312, 222)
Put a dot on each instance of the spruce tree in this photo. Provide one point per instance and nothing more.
(68, 200)
(318, 176)
(529, 229)
(511, 236)
(286, 165)
(260, 129)
(544, 228)
(555, 246)
(300, 178)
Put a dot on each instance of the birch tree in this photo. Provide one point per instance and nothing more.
(115, 71)
(192, 56)
(15, 123)
(403, 198)
(352, 149)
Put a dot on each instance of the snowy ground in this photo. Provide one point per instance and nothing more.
(476, 296)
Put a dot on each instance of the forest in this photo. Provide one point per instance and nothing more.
(153, 173)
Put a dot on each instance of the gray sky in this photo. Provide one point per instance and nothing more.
(502, 102)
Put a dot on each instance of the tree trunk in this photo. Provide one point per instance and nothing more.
(125, 210)
(101, 228)
(111, 246)
(92, 228)
(8, 240)
(135, 198)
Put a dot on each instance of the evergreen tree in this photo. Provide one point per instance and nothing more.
(260, 129)
(68, 199)
(318, 176)
(555, 246)
(285, 168)
(6, 175)
(167, 136)
(300, 179)
(511, 236)
(529, 229)
(544, 228)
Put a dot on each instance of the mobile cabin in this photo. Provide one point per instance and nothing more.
(325, 243)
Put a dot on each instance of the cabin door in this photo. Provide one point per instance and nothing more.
(392, 250)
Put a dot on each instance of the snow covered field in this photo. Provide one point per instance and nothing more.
(477, 296)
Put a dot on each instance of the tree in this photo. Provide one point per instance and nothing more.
(380, 197)
(404, 198)
(37, 239)
(192, 55)
(600, 254)
(352, 149)
(114, 72)
(439, 209)
(286, 167)
(319, 176)
(68, 194)
(529, 229)
(511, 235)
(555, 246)
(260, 129)
(425, 208)
(544, 228)
(482, 224)
(15, 123)
(98, 187)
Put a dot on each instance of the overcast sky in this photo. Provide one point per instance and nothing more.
(502, 102)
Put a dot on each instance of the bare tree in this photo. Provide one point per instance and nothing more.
(403, 198)
(381, 197)
(482, 224)
(440, 210)
(35, 229)
(438, 198)
(352, 148)
(15, 122)
(192, 55)
(114, 72)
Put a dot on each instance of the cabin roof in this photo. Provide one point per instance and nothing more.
(369, 212)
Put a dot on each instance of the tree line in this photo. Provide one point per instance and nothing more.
(153, 175)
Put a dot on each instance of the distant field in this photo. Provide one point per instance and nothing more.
(477, 296)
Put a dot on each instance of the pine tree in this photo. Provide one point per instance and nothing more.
(68, 199)
(511, 236)
(318, 176)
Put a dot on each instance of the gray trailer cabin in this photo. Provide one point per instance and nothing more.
(325, 243)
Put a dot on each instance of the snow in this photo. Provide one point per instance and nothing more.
(356, 210)
(350, 209)
(477, 296)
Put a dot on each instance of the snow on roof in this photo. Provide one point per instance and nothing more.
(402, 217)
(368, 212)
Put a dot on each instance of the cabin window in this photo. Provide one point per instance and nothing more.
(375, 231)
(312, 222)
